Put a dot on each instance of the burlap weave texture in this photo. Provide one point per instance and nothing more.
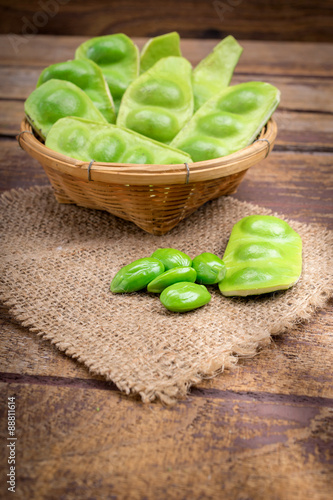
(57, 264)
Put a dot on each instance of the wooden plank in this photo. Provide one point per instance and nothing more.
(17, 83)
(78, 443)
(23, 352)
(273, 58)
(304, 131)
(297, 185)
(300, 20)
(298, 362)
(17, 168)
(11, 113)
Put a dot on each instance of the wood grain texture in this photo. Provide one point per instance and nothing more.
(18, 169)
(302, 20)
(25, 353)
(304, 131)
(11, 113)
(263, 430)
(298, 185)
(272, 58)
(228, 445)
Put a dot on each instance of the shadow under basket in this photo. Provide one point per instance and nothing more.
(154, 197)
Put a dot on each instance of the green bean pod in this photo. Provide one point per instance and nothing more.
(264, 254)
(56, 99)
(158, 47)
(229, 121)
(103, 142)
(88, 77)
(214, 72)
(160, 101)
(118, 58)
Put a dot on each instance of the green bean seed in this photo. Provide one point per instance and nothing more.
(184, 296)
(136, 276)
(209, 267)
(170, 277)
(172, 258)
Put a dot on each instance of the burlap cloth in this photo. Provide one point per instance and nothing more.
(57, 262)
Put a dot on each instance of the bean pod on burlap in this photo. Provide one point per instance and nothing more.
(264, 254)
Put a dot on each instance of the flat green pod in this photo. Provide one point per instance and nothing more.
(160, 101)
(214, 72)
(88, 77)
(56, 99)
(158, 47)
(103, 142)
(264, 254)
(117, 56)
(229, 121)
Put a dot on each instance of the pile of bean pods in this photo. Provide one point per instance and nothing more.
(170, 272)
(263, 255)
(113, 103)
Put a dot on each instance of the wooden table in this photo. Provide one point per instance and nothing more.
(261, 431)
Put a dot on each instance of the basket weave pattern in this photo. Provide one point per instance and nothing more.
(154, 197)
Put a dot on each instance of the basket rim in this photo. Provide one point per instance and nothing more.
(127, 173)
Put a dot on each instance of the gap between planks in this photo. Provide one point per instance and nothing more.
(211, 393)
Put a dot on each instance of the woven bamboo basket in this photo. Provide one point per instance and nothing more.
(154, 197)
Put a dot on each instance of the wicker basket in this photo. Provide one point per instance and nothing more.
(154, 197)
